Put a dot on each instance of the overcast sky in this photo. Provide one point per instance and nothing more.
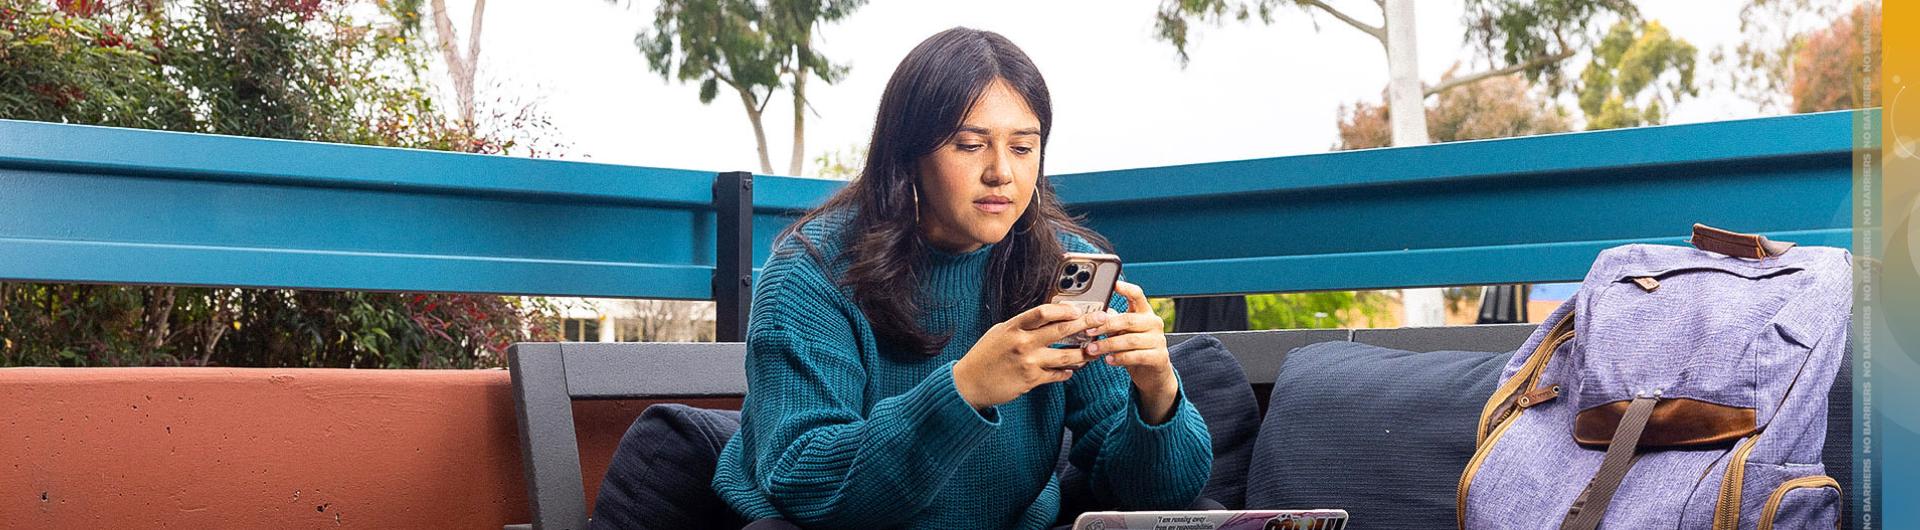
(1121, 98)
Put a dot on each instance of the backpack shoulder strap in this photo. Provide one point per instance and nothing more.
(1592, 504)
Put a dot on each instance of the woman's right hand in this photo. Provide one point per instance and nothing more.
(1014, 356)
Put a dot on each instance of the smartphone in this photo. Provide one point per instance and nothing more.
(1086, 282)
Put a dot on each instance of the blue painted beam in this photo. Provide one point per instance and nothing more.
(1528, 263)
(93, 204)
(98, 204)
(1615, 152)
(134, 152)
(1533, 209)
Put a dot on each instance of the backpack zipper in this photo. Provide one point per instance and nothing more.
(1726, 514)
(1772, 508)
(1527, 377)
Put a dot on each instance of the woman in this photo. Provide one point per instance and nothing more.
(898, 360)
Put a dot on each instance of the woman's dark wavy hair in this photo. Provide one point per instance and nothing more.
(930, 93)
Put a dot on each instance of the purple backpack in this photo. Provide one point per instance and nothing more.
(1678, 388)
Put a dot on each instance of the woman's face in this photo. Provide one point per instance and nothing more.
(974, 186)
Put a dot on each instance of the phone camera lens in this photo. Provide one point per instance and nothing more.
(1083, 276)
(1066, 283)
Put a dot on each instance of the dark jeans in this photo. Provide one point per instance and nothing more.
(776, 524)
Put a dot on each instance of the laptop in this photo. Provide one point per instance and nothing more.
(1214, 520)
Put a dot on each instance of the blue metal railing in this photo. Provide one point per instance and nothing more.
(96, 204)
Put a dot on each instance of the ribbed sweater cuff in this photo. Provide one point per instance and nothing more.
(1138, 423)
(1158, 466)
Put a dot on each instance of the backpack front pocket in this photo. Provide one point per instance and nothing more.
(1805, 502)
(1685, 336)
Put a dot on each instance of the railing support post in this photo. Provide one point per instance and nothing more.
(733, 254)
(1193, 314)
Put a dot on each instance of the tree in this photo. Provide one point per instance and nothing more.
(1500, 107)
(1525, 37)
(1627, 82)
(1773, 67)
(295, 69)
(793, 25)
(1759, 67)
(462, 65)
(1827, 66)
(840, 164)
(1529, 38)
(754, 48)
(1321, 309)
(672, 320)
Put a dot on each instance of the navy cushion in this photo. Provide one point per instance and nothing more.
(662, 473)
(1379, 432)
(1218, 389)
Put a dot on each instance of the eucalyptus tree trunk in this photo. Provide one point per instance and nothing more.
(1407, 111)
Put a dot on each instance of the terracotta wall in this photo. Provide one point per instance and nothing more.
(273, 448)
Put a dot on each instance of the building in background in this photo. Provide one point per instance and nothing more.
(627, 320)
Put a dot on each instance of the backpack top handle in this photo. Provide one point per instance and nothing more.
(1736, 244)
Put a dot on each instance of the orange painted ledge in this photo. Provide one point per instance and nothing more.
(275, 448)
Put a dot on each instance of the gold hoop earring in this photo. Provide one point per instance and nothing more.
(1019, 232)
(1032, 210)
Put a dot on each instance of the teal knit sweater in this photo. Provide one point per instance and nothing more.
(836, 431)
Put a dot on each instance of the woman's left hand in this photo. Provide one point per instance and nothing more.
(1136, 341)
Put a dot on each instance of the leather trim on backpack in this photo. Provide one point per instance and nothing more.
(1736, 244)
(1676, 422)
